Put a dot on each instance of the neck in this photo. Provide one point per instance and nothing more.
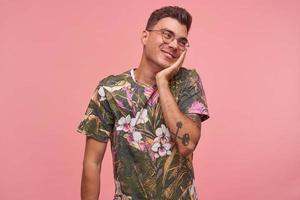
(146, 72)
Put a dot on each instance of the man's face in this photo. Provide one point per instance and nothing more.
(156, 50)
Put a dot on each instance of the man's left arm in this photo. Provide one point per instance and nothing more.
(184, 130)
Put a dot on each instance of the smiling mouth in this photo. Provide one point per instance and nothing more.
(169, 55)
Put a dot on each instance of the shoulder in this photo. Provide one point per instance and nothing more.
(187, 75)
(115, 79)
(113, 83)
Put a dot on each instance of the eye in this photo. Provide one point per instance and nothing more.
(167, 34)
(182, 43)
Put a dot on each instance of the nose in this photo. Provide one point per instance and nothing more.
(173, 44)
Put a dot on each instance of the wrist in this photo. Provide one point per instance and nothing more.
(162, 82)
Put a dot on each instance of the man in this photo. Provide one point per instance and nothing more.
(152, 116)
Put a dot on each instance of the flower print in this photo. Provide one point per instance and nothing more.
(118, 188)
(162, 134)
(197, 107)
(128, 90)
(124, 124)
(141, 117)
(101, 93)
(148, 91)
(192, 190)
(153, 99)
(161, 149)
(137, 136)
(162, 145)
(120, 104)
(118, 192)
(118, 86)
(135, 139)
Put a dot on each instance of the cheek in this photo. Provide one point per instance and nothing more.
(155, 43)
(153, 49)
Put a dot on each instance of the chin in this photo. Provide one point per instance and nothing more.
(165, 63)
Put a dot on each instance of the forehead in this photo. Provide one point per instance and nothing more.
(172, 25)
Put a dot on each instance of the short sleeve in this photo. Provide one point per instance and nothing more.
(192, 99)
(98, 120)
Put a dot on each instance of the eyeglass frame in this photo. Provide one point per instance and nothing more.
(173, 37)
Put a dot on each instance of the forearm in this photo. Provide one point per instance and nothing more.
(90, 182)
(177, 122)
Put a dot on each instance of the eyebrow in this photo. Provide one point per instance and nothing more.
(181, 38)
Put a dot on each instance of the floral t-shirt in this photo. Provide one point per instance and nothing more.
(146, 162)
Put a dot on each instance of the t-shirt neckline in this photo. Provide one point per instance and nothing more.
(138, 83)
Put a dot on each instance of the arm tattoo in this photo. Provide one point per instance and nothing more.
(186, 137)
(178, 125)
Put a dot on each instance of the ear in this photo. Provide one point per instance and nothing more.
(144, 37)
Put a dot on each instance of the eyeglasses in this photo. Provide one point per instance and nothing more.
(168, 37)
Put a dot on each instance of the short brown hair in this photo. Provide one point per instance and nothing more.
(175, 12)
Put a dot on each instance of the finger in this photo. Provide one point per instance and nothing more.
(180, 60)
(182, 56)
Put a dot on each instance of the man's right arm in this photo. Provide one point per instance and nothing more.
(93, 156)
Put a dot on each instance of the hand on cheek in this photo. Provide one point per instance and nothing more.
(166, 74)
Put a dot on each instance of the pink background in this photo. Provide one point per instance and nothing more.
(53, 53)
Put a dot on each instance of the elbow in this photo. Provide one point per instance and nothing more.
(91, 165)
(187, 150)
